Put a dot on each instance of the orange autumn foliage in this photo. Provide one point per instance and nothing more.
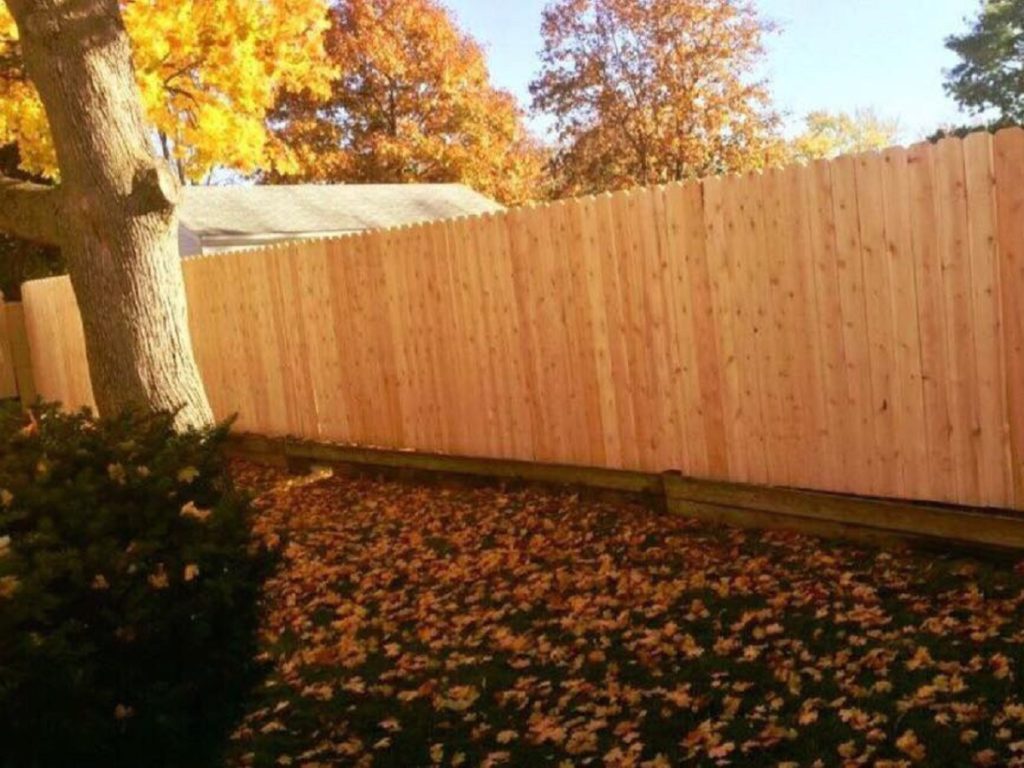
(414, 103)
(487, 625)
(650, 91)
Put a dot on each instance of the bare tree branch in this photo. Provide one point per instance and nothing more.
(30, 211)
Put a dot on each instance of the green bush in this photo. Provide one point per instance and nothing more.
(128, 589)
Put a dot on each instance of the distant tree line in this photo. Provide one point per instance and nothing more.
(637, 92)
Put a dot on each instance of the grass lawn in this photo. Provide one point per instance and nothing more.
(416, 625)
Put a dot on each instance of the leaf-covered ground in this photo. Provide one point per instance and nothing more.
(418, 626)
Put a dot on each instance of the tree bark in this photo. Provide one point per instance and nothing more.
(116, 220)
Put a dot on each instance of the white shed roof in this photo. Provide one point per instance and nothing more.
(233, 215)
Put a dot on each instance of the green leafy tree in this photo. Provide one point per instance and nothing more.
(990, 75)
(960, 131)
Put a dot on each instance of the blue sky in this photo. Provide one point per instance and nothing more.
(828, 54)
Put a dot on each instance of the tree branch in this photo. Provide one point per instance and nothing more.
(30, 211)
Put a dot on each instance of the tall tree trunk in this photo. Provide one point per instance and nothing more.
(116, 202)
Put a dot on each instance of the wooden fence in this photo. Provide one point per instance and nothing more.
(8, 382)
(854, 326)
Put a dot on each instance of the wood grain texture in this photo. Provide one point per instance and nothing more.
(21, 355)
(8, 379)
(1009, 184)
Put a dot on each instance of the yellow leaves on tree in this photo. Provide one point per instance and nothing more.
(649, 91)
(208, 72)
(828, 134)
(414, 103)
(21, 113)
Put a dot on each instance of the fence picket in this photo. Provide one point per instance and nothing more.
(910, 441)
(1009, 178)
(932, 320)
(716, 247)
(686, 441)
(743, 228)
(708, 405)
(855, 333)
(8, 383)
(808, 383)
(607, 429)
(618, 340)
(837, 418)
(877, 267)
(954, 260)
(995, 481)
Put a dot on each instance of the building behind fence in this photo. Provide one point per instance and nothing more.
(854, 326)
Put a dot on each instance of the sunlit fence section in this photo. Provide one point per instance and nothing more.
(854, 325)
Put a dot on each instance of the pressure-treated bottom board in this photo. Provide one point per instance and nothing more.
(883, 521)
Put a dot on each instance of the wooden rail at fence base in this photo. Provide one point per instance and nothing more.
(880, 521)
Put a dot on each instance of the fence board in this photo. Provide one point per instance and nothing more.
(8, 380)
(689, 208)
(877, 267)
(426, 318)
(955, 267)
(665, 371)
(338, 314)
(853, 307)
(495, 382)
(722, 289)
(743, 233)
(315, 304)
(521, 246)
(21, 357)
(932, 321)
(294, 335)
(855, 325)
(56, 342)
(1009, 179)
(995, 481)
(534, 270)
(558, 301)
(683, 383)
(217, 332)
(837, 419)
(783, 418)
(626, 423)
(908, 409)
(627, 264)
(608, 435)
(808, 382)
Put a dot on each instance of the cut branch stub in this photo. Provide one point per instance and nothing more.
(30, 211)
(154, 189)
